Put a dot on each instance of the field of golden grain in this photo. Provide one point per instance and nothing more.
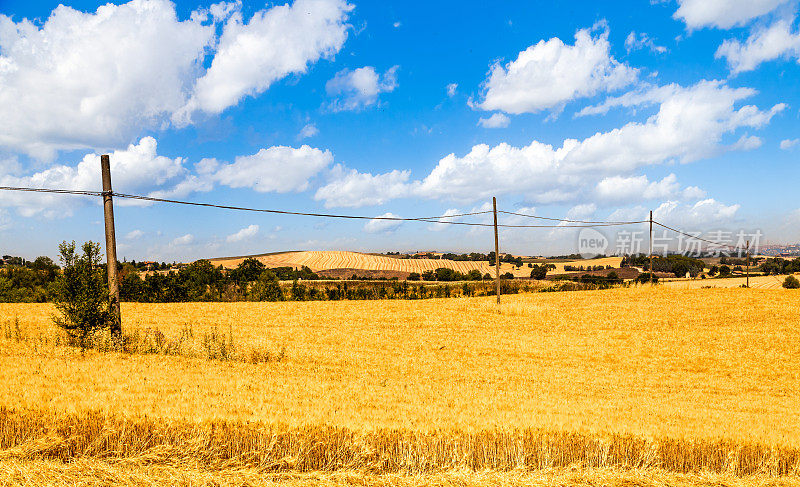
(318, 260)
(756, 282)
(654, 386)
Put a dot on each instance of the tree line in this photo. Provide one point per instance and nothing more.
(38, 281)
(674, 263)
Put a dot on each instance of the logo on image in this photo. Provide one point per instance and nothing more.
(591, 243)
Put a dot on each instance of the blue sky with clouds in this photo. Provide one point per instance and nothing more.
(590, 110)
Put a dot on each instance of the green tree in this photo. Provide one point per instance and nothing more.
(447, 274)
(539, 272)
(645, 278)
(266, 288)
(791, 282)
(249, 270)
(298, 291)
(473, 275)
(80, 293)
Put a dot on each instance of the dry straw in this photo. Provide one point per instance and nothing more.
(42, 435)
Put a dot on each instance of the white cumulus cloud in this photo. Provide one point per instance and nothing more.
(451, 89)
(383, 226)
(99, 79)
(787, 144)
(764, 44)
(691, 123)
(353, 189)
(140, 170)
(134, 170)
(184, 240)
(359, 88)
(87, 79)
(309, 130)
(620, 188)
(747, 142)
(134, 235)
(635, 42)
(277, 169)
(497, 120)
(437, 227)
(723, 14)
(274, 43)
(243, 234)
(700, 214)
(551, 73)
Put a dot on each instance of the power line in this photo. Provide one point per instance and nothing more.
(606, 223)
(434, 219)
(49, 190)
(734, 247)
(298, 213)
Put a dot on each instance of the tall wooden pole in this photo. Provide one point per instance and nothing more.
(496, 252)
(111, 247)
(651, 247)
(747, 266)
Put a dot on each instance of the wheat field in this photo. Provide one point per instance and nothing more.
(656, 386)
(756, 282)
(318, 260)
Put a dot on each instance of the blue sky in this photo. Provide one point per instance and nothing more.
(588, 110)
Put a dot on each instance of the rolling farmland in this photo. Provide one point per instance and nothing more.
(318, 260)
(383, 391)
(756, 282)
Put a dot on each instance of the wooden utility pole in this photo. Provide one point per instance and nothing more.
(747, 266)
(111, 247)
(496, 252)
(651, 247)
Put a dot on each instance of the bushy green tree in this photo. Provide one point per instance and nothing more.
(539, 272)
(80, 293)
(266, 288)
(298, 291)
(473, 275)
(645, 278)
(447, 274)
(248, 270)
(791, 282)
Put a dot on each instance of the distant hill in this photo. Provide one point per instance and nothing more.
(347, 262)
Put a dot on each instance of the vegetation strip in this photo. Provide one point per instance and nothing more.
(99, 472)
(45, 435)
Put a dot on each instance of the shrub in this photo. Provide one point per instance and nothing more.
(80, 293)
(539, 272)
(447, 274)
(414, 276)
(791, 282)
(298, 291)
(473, 275)
(645, 277)
(266, 288)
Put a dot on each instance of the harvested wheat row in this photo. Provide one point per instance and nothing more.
(45, 435)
